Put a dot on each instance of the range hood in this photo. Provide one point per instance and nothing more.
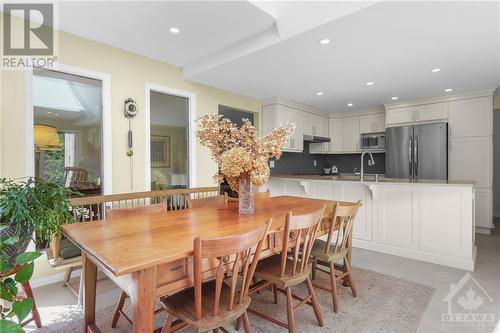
(315, 139)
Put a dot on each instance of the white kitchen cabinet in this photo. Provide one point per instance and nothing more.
(398, 216)
(471, 117)
(363, 223)
(431, 112)
(372, 123)
(277, 114)
(335, 129)
(484, 207)
(314, 124)
(470, 159)
(443, 230)
(350, 134)
(399, 116)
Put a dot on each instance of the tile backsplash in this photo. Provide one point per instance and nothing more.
(293, 163)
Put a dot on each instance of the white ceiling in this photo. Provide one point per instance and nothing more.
(265, 49)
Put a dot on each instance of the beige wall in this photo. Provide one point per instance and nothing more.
(129, 73)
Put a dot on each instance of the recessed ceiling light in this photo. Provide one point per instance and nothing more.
(174, 30)
(394, 98)
(324, 41)
(57, 114)
(448, 90)
(49, 112)
(370, 83)
(350, 104)
(319, 93)
(435, 70)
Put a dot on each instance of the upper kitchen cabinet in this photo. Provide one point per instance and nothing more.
(431, 112)
(372, 123)
(471, 117)
(315, 124)
(399, 116)
(278, 114)
(350, 134)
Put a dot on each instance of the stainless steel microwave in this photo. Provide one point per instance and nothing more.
(373, 141)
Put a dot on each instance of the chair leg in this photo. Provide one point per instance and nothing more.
(313, 271)
(118, 307)
(275, 293)
(333, 281)
(246, 323)
(289, 310)
(34, 311)
(314, 301)
(351, 280)
(67, 275)
(238, 324)
(167, 324)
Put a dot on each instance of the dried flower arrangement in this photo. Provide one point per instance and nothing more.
(240, 152)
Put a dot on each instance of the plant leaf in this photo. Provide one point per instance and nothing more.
(27, 257)
(25, 273)
(7, 326)
(22, 308)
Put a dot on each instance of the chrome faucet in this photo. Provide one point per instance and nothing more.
(370, 163)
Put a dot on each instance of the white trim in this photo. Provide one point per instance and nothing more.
(29, 154)
(433, 258)
(191, 130)
(442, 98)
(107, 159)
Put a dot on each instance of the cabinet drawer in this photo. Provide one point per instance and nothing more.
(172, 271)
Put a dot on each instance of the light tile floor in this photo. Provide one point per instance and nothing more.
(487, 274)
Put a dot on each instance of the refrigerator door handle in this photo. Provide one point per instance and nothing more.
(416, 155)
(410, 144)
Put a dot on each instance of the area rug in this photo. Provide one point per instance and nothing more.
(384, 304)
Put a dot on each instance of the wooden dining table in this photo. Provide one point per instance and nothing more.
(149, 256)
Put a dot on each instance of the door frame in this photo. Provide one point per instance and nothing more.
(191, 97)
(107, 161)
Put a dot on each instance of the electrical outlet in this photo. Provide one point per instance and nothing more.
(315, 163)
(271, 164)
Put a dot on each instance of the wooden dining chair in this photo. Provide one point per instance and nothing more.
(113, 214)
(203, 202)
(212, 305)
(292, 267)
(334, 251)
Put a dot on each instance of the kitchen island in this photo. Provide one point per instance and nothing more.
(427, 220)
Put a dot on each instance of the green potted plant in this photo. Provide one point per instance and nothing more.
(31, 207)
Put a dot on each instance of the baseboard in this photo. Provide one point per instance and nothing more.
(51, 279)
(483, 231)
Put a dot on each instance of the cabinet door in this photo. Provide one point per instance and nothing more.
(366, 124)
(285, 115)
(471, 159)
(350, 134)
(471, 117)
(399, 116)
(398, 216)
(484, 207)
(380, 122)
(335, 132)
(445, 215)
(362, 228)
(323, 126)
(307, 123)
(431, 112)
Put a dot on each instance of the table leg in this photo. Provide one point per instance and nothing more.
(142, 298)
(89, 275)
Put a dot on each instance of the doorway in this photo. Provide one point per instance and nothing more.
(170, 144)
(67, 112)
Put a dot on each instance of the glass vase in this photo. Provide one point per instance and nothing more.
(245, 193)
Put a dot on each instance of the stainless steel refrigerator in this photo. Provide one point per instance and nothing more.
(419, 151)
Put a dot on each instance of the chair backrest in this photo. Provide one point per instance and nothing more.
(74, 175)
(298, 239)
(203, 202)
(341, 221)
(232, 255)
(262, 195)
(113, 214)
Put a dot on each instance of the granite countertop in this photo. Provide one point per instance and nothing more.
(381, 180)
